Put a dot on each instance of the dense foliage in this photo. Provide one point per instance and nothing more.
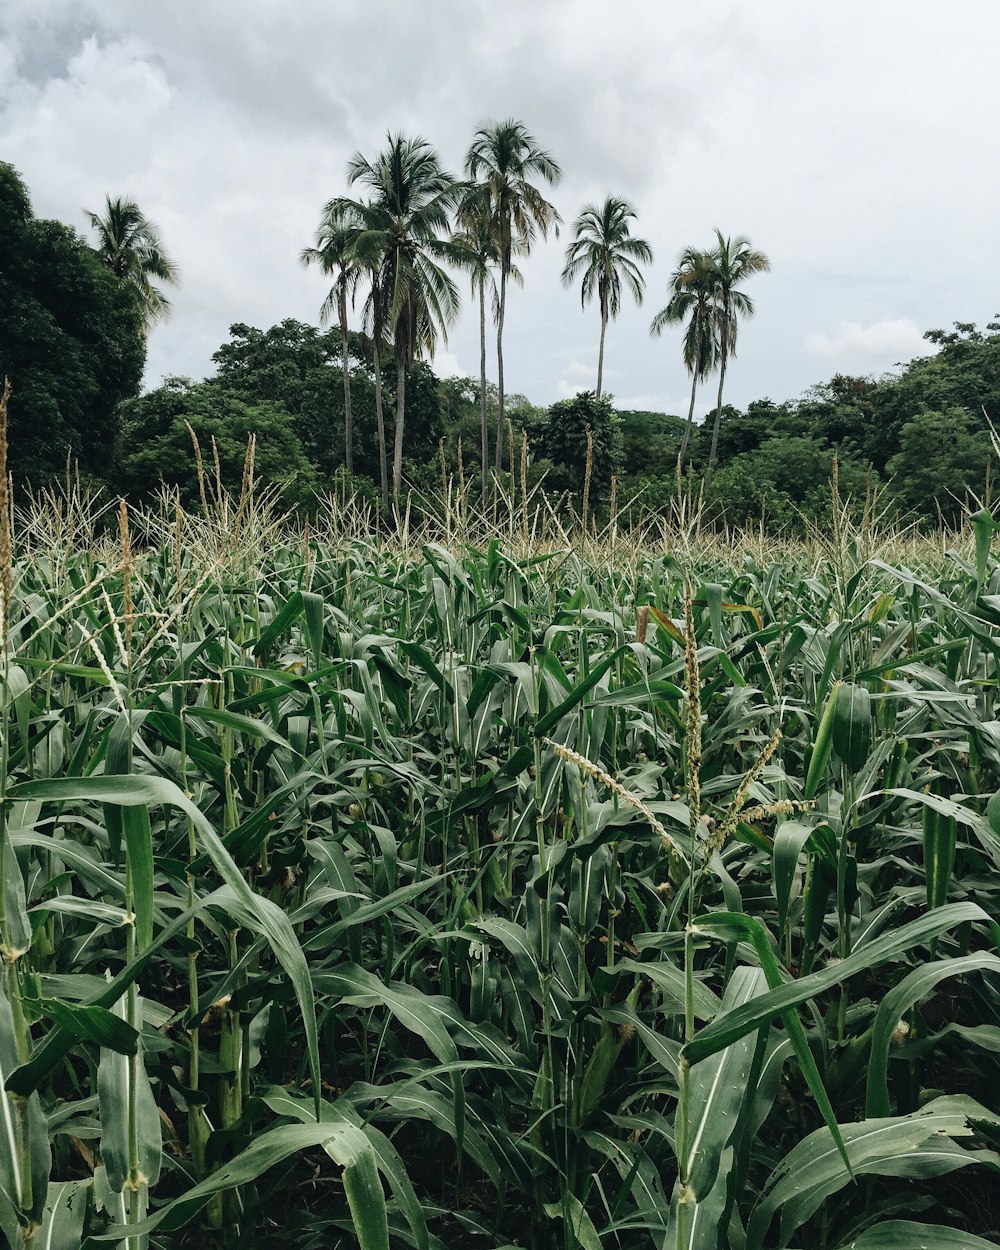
(493, 878)
(71, 342)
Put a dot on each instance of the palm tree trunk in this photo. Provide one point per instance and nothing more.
(713, 454)
(485, 432)
(690, 422)
(600, 354)
(348, 414)
(380, 423)
(498, 465)
(397, 450)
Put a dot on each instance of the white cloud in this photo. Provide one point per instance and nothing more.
(446, 365)
(774, 120)
(881, 344)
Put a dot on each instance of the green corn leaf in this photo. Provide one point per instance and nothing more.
(716, 1088)
(822, 745)
(25, 1157)
(724, 1030)
(733, 925)
(62, 1221)
(363, 1188)
(896, 1003)
(572, 1212)
(908, 1235)
(984, 527)
(578, 693)
(342, 1140)
(115, 1074)
(90, 1024)
(789, 839)
(259, 914)
(280, 623)
(812, 1171)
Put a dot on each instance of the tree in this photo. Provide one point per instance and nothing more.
(692, 292)
(605, 252)
(71, 342)
(562, 438)
(300, 367)
(481, 244)
(156, 444)
(335, 254)
(129, 245)
(400, 235)
(733, 261)
(943, 464)
(503, 159)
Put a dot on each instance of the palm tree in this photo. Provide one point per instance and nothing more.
(401, 227)
(503, 158)
(477, 237)
(604, 251)
(733, 261)
(692, 291)
(129, 245)
(335, 254)
(374, 316)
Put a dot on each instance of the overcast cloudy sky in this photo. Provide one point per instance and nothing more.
(854, 141)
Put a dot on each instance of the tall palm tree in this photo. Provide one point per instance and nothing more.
(692, 292)
(503, 158)
(402, 225)
(129, 245)
(477, 236)
(374, 317)
(335, 254)
(733, 260)
(605, 252)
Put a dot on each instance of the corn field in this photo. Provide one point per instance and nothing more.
(444, 895)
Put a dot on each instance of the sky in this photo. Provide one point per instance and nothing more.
(852, 142)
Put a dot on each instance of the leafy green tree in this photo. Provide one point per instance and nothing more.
(335, 254)
(940, 470)
(605, 252)
(650, 442)
(129, 245)
(71, 342)
(562, 439)
(403, 229)
(692, 295)
(156, 446)
(783, 481)
(733, 261)
(503, 159)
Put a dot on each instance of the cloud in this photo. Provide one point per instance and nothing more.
(231, 135)
(882, 343)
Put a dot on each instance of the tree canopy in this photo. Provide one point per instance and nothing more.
(71, 341)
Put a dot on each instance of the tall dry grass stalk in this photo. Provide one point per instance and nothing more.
(126, 542)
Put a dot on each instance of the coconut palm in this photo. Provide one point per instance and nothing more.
(374, 317)
(400, 234)
(477, 236)
(335, 254)
(692, 292)
(733, 260)
(503, 159)
(129, 245)
(605, 252)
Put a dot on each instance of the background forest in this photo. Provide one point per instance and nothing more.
(72, 338)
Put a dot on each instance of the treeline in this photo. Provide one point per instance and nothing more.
(921, 439)
(73, 325)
